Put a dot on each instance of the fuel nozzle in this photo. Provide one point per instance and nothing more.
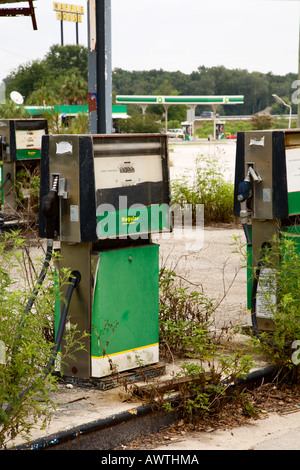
(50, 209)
(244, 196)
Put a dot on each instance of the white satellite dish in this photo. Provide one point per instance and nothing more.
(17, 97)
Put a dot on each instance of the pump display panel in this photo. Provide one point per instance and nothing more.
(108, 185)
(275, 156)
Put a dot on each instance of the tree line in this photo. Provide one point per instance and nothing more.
(61, 77)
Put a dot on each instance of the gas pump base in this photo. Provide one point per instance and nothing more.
(124, 322)
(139, 374)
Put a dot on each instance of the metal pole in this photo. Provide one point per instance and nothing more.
(77, 31)
(166, 118)
(92, 60)
(62, 32)
(99, 66)
(104, 86)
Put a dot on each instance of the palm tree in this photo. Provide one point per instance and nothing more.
(74, 90)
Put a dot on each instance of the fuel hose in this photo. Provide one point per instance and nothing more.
(253, 299)
(247, 234)
(74, 281)
(41, 277)
(5, 181)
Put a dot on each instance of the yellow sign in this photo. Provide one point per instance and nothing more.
(62, 16)
(67, 12)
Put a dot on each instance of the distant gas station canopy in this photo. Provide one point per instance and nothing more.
(178, 99)
(19, 11)
(191, 101)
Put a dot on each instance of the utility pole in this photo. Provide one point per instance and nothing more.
(61, 32)
(99, 66)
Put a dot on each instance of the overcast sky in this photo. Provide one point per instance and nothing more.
(257, 35)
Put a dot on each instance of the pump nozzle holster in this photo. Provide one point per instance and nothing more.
(50, 212)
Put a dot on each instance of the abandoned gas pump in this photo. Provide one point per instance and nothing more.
(20, 153)
(267, 199)
(112, 193)
(220, 129)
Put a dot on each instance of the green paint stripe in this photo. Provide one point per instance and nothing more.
(236, 100)
(194, 100)
(134, 99)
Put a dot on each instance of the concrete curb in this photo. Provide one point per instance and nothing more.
(107, 433)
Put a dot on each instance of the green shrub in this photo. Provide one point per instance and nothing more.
(282, 283)
(209, 188)
(26, 340)
(182, 313)
(206, 129)
(140, 123)
(187, 332)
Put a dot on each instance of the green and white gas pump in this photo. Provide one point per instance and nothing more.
(267, 198)
(111, 193)
(20, 150)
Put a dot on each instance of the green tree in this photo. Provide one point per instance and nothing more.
(41, 97)
(10, 110)
(61, 59)
(26, 78)
(44, 78)
(74, 90)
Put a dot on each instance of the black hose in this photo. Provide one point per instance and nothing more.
(253, 299)
(41, 276)
(5, 181)
(247, 234)
(74, 281)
